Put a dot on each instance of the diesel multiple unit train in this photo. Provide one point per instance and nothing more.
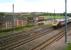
(60, 22)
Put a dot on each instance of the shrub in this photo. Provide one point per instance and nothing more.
(68, 46)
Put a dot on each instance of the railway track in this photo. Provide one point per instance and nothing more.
(22, 32)
(51, 40)
(41, 44)
(48, 42)
(19, 39)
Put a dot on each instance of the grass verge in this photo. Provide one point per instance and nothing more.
(68, 47)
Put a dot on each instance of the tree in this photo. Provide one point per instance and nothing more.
(2, 18)
(2, 14)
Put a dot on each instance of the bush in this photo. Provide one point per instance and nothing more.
(68, 46)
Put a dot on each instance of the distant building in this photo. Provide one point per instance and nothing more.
(21, 22)
(39, 20)
(9, 21)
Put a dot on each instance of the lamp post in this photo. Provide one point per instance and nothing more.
(65, 21)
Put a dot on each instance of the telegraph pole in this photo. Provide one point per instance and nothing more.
(13, 9)
(65, 21)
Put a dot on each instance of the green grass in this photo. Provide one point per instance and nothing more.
(68, 46)
(56, 17)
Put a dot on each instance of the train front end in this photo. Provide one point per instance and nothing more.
(58, 23)
(54, 24)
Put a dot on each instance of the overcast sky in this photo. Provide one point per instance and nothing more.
(34, 5)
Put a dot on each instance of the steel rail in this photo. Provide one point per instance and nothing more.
(51, 40)
(36, 36)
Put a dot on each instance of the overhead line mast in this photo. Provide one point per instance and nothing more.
(13, 16)
(65, 21)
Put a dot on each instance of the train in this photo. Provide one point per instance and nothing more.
(57, 23)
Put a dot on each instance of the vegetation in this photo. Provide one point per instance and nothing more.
(68, 46)
(29, 19)
(52, 17)
(17, 29)
(54, 14)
